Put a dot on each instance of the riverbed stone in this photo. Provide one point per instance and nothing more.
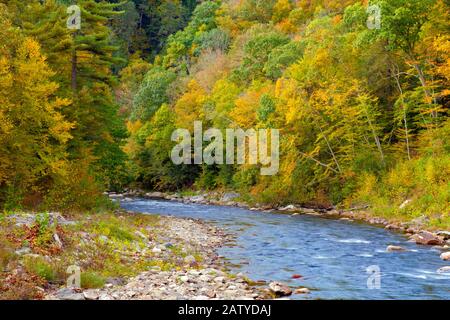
(141, 235)
(445, 269)
(23, 251)
(156, 250)
(392, 248)
(444, 234)
(280, 289)
(69, 294)
(91, 294)
(426, 238)
(155, 195)
(57, 241)
(445, 256)
(289, 207)
(302, 291)
(229, 196)
(190, 259)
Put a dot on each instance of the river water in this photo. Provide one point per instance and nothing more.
(332, 256)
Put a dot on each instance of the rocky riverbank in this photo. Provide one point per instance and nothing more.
(198, 276)
(416, 230)
(120, 256)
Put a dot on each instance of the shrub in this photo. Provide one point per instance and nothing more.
(39, 267)
(92, 280)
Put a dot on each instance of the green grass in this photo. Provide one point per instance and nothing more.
(92, 280)
(40, 267)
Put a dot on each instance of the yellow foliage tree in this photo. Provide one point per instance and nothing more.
(33, 132)
(190, 106)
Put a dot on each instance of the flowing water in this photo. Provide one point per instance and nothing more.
(332, 256)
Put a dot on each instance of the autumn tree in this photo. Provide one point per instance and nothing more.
(33, 132)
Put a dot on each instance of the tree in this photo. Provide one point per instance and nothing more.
(152, 93)
(46, 22)
(34, 133)
(173, 17)
(93, 54)
(257, 51)
(190, 106)
(403, 22)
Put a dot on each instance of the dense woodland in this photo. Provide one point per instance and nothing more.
(363, 112)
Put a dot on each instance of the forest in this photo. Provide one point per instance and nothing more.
(361, 101)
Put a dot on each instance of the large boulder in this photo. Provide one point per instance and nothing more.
(427, 238)
(280, 289)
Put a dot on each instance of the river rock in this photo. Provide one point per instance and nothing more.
(156, 250)
(115, 196)
(58, 218)
(197, 199)
(444, 234)
(105, 297)
(280, 289)
(69, 294)
(23, 251)
(444, 269)
(405, 203)
(141, 235)
(229, 196)
(392, 226)
(394, 248)
(445, 256)
(301, 291)
(190, 259)
(443, 248)
(426, 238)
(211, 294)
(57, 240)
(420, 221)
(26, 219)
(155, 195)
(204, 278)
(103, 239)
(91, 294)
(289, 207)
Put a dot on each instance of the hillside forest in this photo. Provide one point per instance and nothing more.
(362, 109)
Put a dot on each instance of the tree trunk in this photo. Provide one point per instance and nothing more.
(397, 80)
(74, 71)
